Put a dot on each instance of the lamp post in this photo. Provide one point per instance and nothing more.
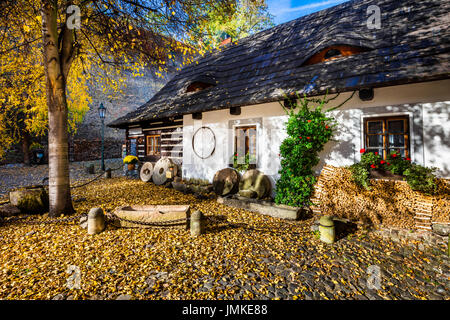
(102, 113)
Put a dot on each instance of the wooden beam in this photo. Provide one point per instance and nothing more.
(197, 116)
(235, 111)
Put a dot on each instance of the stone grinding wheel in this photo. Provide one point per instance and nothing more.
(146, 172)
(160, 169)
(255, 184)
(226, 181)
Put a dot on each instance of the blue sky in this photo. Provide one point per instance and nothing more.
(286, 10)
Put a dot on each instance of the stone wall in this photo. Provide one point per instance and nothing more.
(87, 150)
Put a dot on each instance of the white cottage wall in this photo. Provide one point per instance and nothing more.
(427, 104)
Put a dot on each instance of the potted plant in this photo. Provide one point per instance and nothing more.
(243, 163)
(131, 162)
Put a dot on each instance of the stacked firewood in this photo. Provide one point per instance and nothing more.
(441, 203)
(387, 203)
(390, 203)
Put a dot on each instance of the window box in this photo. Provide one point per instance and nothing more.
(381, 174)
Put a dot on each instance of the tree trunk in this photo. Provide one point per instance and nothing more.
(56, 71)
(26, 148)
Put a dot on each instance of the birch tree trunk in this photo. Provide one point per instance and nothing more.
(57, 60)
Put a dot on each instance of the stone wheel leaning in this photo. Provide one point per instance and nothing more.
(255, 184)
(226, 181)
(160, 169)
(146, 172)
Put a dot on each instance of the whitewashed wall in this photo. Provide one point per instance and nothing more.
(427, 104)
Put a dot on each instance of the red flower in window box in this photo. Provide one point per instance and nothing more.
(394, 155)
(326, 127)
(309, 121)
(408, 159)
(376, 153)
(362, 150)
(382, 162)
(299, 137)
(388, 163)
(373, 166)
(308, 138)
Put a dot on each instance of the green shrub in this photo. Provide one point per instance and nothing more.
(242, 163)
(360, 175)
(36, 145)
(308, 131)
(397, 164)
(421, 178)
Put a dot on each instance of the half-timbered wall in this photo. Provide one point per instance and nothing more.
(155, 140)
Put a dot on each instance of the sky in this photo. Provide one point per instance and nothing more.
(286, 10)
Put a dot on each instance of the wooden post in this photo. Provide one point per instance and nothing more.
(197, 223)
(448, 246)
(326, 228)
(108, 173)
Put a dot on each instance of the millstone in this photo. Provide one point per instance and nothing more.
(146, 172)
(226, 181)
(255, 184)
(160, 169)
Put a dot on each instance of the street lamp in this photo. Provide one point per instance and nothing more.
(102, 113)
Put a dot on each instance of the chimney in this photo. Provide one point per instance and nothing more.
(226, 39)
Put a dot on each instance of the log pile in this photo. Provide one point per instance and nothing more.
(441, 203)
(389, 203)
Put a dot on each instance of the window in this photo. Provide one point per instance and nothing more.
(387, 134)
(153, 145)
(334, 52)
(198, 86)
(245, 142)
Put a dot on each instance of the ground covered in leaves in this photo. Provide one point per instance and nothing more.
(18, 175)
(258, 257)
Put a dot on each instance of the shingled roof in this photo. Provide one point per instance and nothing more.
(411, 46)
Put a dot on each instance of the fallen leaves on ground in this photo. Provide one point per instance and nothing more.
(260, 257)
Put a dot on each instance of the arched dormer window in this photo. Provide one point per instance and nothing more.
(198, 86)
(334, 52)
(200, 83)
